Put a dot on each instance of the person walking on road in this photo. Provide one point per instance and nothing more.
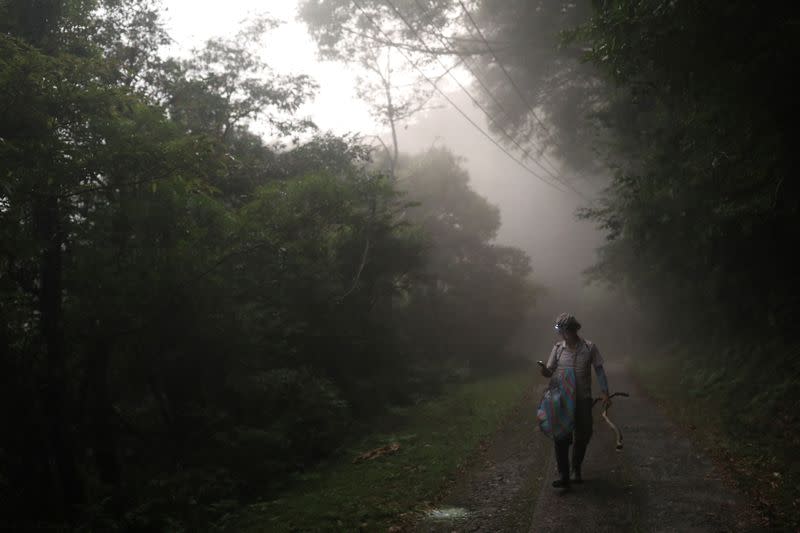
(580, 354)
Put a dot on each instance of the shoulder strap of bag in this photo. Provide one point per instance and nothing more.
(562, 345)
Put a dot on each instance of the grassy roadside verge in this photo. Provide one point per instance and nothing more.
(435, 437)
(754, 442)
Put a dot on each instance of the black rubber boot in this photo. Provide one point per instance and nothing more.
(562, 459)
(578, 453)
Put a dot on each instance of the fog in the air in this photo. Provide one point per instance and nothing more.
(535, 217)
(398, 266)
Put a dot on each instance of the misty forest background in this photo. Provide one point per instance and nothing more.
(192, 311)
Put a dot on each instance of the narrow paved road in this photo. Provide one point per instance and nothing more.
(658, 483)
(498, 492)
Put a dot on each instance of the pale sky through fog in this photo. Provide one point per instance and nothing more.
(290, 50)
(534, 217)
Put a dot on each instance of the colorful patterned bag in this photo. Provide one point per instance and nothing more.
(556, 412)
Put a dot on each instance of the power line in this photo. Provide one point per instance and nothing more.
(480, 81)
(505, 71)
(411, 48)
(464, 89)
(448, 46)
(490, 93)
(450, 101)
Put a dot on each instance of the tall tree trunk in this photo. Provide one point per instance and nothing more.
(391, 116)
(101, 412)
(51, 325)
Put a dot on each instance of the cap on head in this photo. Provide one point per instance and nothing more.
(567, 322)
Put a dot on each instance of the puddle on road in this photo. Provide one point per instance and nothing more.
(448, 513)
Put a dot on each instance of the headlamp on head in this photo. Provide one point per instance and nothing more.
(566, 322)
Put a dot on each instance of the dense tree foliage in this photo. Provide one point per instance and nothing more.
(686, 107)
(705, 213)
(692, 122)
(690, 119)
(188, 314)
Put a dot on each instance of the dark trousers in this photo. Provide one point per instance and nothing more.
(582, 435)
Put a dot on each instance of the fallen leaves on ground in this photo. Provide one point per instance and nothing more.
(377, 452)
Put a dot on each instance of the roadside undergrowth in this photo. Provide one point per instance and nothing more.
(743, 409)
(407, 469)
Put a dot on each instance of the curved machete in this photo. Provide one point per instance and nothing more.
(613, 426)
